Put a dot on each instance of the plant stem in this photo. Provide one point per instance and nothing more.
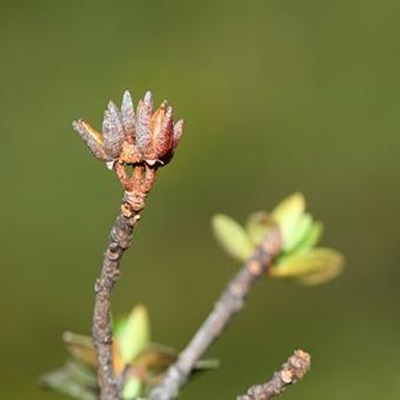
(229, 304)
(290, 372)
(137, 188)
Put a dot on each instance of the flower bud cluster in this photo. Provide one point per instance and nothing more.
(130, 138)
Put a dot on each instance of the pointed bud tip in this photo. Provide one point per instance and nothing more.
(178, 132)
(84, 129)
(67, 335)
(126, 99)
(112, 107)
(126, 94)
(170, 111)
(163, 107)
(180, 123)
(148, 97)
(79, 123)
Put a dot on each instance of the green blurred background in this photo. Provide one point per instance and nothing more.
(278, 96)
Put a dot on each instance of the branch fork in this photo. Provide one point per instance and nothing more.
(134, 145)
(228, 305)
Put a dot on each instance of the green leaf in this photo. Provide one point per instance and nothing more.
(205, 365)
(317, 266)
(202, 366)
(301, 229)
(80, 347)
(333, 268)
(81, 373)
(287, 215)
(134, 334)
(155, 358)
(258, 225)
(61, 381)
(232, 237)
(132, 388)
(310, 238)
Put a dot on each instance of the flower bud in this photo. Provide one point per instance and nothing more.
(92, 138)
(113, 131)
(129, 138)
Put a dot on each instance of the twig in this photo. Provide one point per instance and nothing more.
(143, 141)
(291, 371)
(120, 239)
(230, 303)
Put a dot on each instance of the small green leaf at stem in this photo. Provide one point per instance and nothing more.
(287, 215)
(310, 238)
(232, 237)
(80, 347)
(132, 388)
(312, 268)
(258, 225)
(134, 335)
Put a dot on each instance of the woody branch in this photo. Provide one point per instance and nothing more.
(290, 372)
(144, 142)
(229, 304)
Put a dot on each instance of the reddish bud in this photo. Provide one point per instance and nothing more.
(163, 141)
(129, 139)
(160, 135)
(178, 132)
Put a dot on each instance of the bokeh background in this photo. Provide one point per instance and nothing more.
(278, 96)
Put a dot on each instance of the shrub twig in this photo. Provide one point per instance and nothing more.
(119, 241)
(229, 304)
(290, 372)
(140, 143)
